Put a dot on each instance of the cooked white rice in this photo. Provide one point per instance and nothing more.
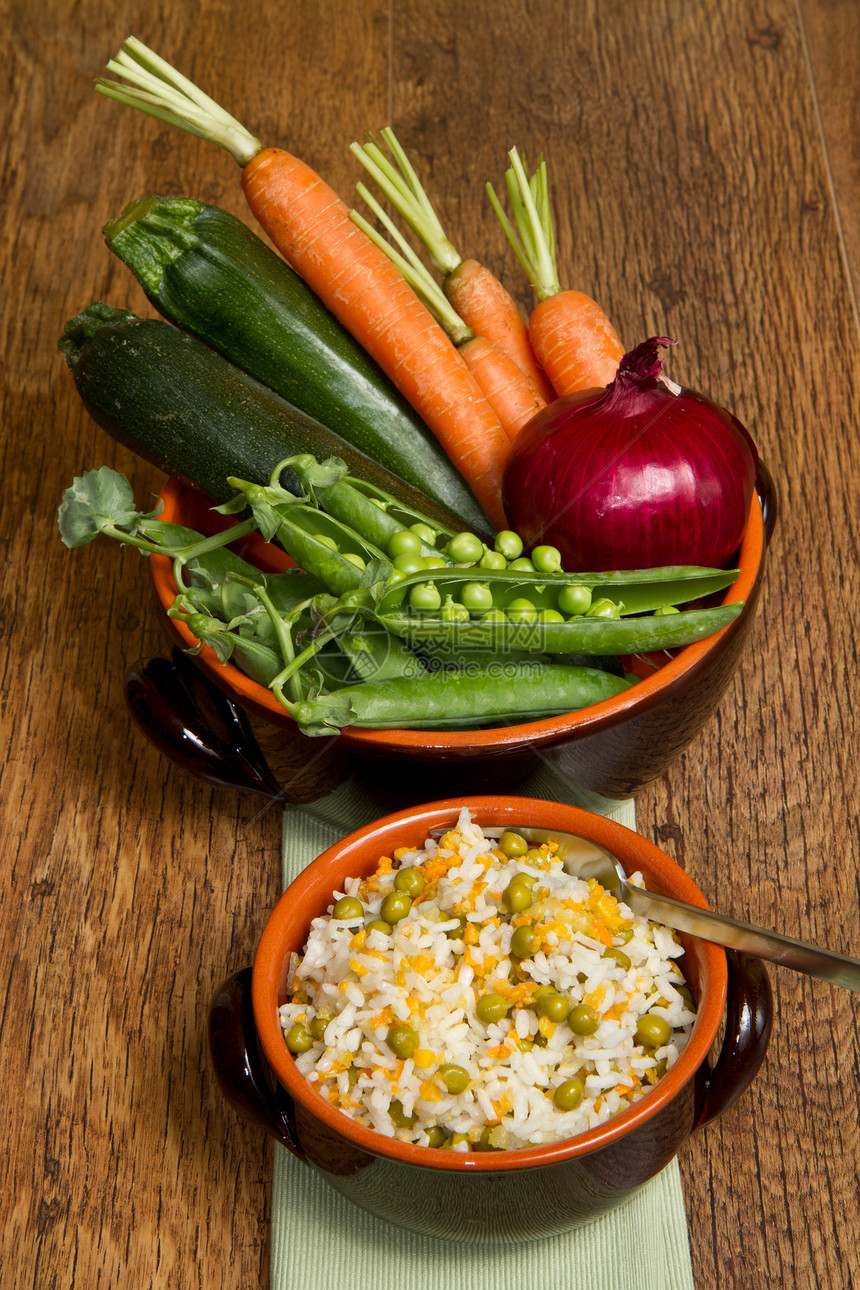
(431, 972)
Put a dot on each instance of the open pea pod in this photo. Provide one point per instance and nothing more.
(634, 591)
(597, 636)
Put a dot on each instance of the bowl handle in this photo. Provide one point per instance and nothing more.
(767, 495)
(242, 1074)
(189, 719)
(749, 1019)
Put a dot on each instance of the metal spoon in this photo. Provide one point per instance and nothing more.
(585, 859)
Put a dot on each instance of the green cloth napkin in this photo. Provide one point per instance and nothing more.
(321, 1241)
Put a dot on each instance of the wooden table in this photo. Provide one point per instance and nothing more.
(705, 168)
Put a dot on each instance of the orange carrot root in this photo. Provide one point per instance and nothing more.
(575, 342)
(512, 399)
(490, 311)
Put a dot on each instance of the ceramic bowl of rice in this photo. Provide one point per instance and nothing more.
(473, 1042)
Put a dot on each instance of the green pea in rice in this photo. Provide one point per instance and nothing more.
(353, 990)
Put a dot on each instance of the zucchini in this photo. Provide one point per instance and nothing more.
(208, 273)
(177, 403)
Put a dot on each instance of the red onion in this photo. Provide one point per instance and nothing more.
(639, 474)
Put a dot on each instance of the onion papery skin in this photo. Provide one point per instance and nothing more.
(634, 476)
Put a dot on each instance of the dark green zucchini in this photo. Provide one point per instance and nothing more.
(185, 408)
(206, 271)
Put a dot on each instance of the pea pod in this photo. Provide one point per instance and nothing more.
(371, 513)
(598, 636)
(635, 591)
(504, 694)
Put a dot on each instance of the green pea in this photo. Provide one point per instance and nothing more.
(398, 1116)
(522, 565)
(653, 1031)
(318, 1025)
(325, 540)
(404, 542)
(550, 616)
(395, 906)
(354, 558)
(517, 896)
(687, 995)
(618, 956)
(491, 1007)
(553, 1006)
(435, 562)
(520, 610)
(535, 855)
(465, 548)
(477, 597)
(425, 595)
(574, 601)
(624, 935)
(452, 612)
(427, 535)
(583, 1020)
(299, 1038)
(348, 908)
(568, 1095)
(603, 608)
(492, 560)
(525, 941)
(485, 1141)
(546, 559)
(456, 933)
(454, 1140)
(408, 562)
(665, 610)
(512, 844)
(435, 1136)
(402, 1040)
(455, 1078)
(494, 616)
(409, 880)
(379, 925)
(508, 544)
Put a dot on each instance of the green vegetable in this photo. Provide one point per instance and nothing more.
(512, 844)
(491, 1007)
(455, 1078)
(396, 904)
(409, 880)
(653, 1031)
(583, 1020)
(348, 908)
(208, 273)
(177, 403)
(568, 1095)
(525, 941)
(299, 1039)
(402, 1040)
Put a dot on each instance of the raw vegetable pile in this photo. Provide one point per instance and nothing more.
(378, 424)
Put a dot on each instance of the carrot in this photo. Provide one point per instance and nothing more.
(508, 391)
(482, 301)
(312, 228)
(571, 336)
(475, 292)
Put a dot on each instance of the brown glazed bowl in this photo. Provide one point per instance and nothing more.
(612, 748)
(495, 1196)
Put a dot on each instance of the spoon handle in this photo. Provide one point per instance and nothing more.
(586, 859)
(785, 950)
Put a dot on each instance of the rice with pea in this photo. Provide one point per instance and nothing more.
(461, 997)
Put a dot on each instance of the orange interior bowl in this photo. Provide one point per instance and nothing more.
(612, 747)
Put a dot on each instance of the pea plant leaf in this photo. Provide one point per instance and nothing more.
(99, 501)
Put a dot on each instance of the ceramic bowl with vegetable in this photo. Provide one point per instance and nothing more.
(400, 1154)
(613, 745)
(441, 568)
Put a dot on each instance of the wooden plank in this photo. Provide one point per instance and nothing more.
(694, 199)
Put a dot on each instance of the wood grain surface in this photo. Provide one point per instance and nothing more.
(705, 169)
